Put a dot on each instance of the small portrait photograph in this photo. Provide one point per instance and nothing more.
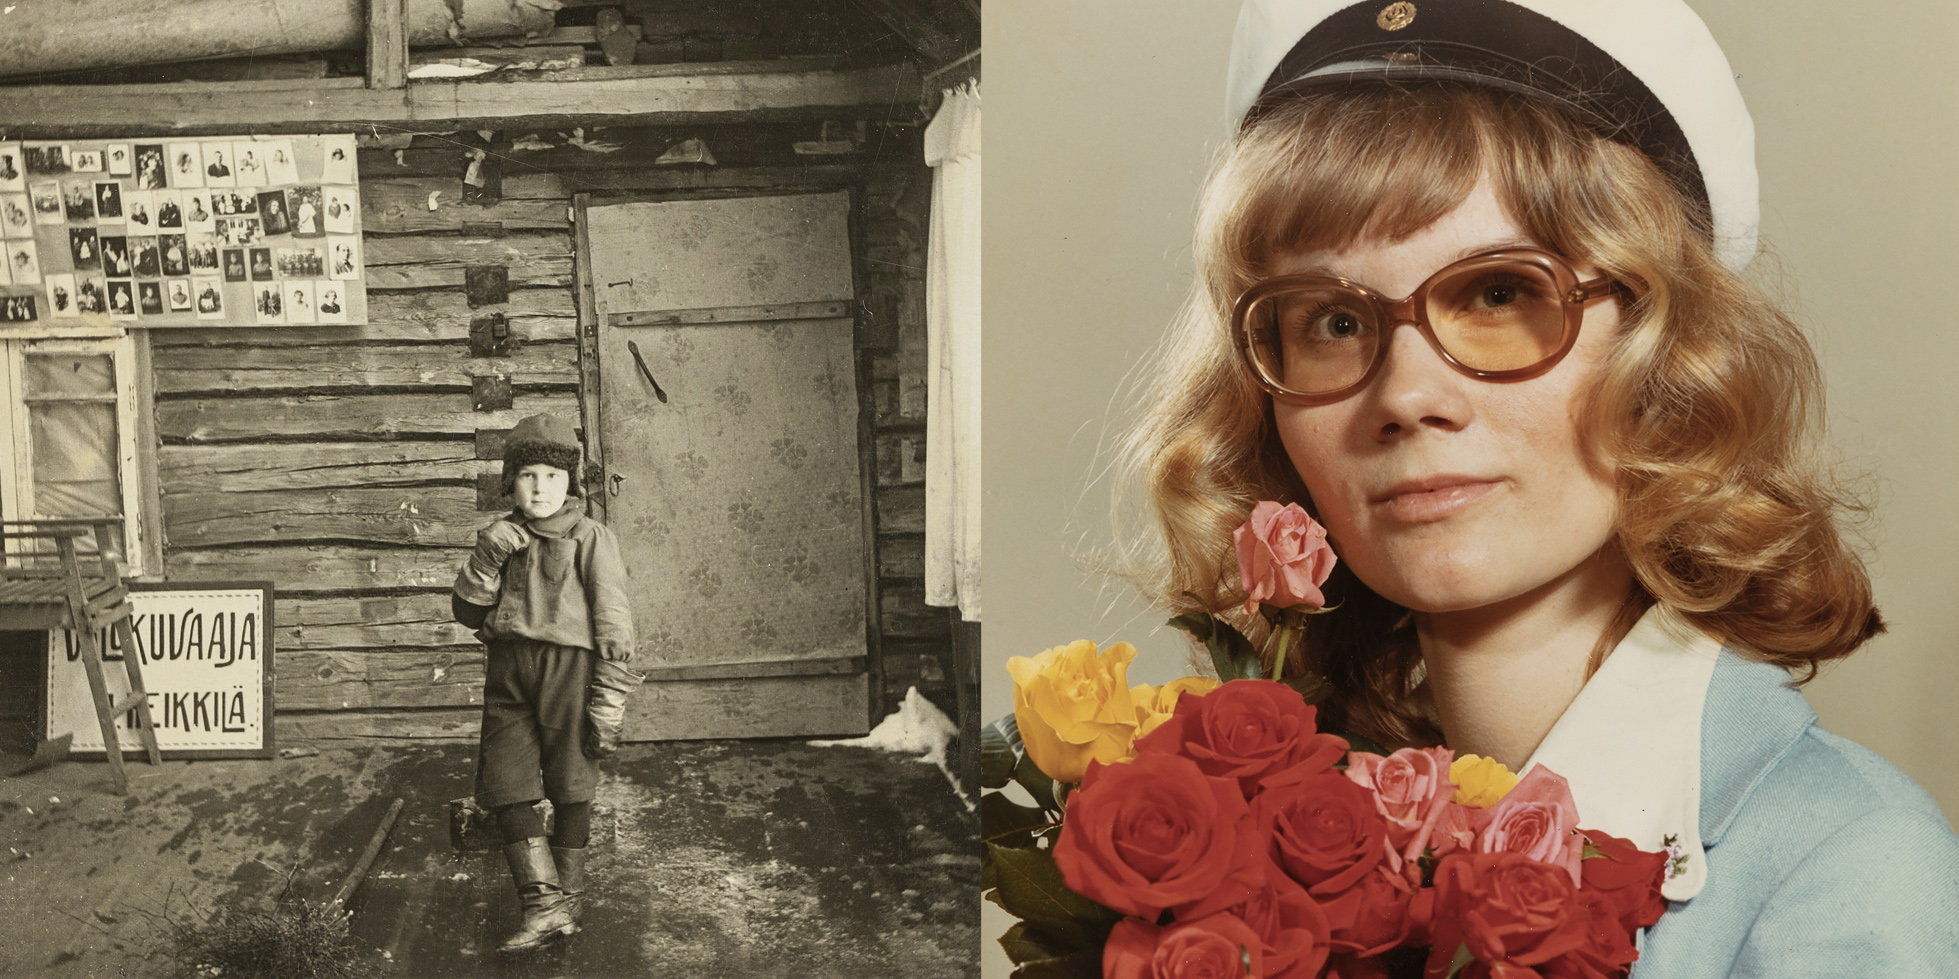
(238, 231)
(179, 292)
(24, 261)
(330, 306)
(209, 298)
(175, 254)
(78, 200)
(119, 158)
(299, 301)
(138, 210)
(250, 165)
(186, 164)
(169, 209)
(301, 263)
(149, 298)
(268, 305)
(108, 201)
(45, 157)
(344, 257)
(151, 170)
(337, 159)
(272, 211)
(84, 251)
(18, 309)
(281, 167)
(16, 216)
(305, 211)
(234, 265)
(341, 203)
(203, 254)
(89, 294)
(47, 202)
(261, 264)
(143, 255)
(61, 295)
(85, 161)
(218, 162)
(115, 256)
(197, 213)
(122, 299)
(13, 172)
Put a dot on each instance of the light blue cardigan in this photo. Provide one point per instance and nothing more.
(1822, 858)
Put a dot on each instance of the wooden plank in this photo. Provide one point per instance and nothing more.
(771, 707)
(387, 44)
(622, 95)
(385, 727)
(900, 557)
(829, 666)
(399, 205)
(827, 176)
(901, 509)
(349, 623)
(420, 262)
(364, 679)
(322, 567)
(475, 62)
(914, 22)
(441, 516)
(534, 315)
(348, 417)
(732, 314)
(902, 611)
(248, 369)
(251, 468)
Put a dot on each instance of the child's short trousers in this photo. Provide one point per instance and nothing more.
(532, 744)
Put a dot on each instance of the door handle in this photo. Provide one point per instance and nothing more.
(616, 480)
(641, 361)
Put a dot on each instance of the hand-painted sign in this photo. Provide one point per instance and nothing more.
(206, 657)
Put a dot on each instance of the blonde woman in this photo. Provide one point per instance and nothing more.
(1468, 289)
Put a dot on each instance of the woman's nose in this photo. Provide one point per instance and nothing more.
(1416, 389)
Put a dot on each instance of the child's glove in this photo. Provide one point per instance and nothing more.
(605, 706)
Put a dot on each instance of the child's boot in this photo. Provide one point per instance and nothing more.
(571, 878)
(546, 912)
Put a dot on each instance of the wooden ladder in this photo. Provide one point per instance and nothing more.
(63, 596)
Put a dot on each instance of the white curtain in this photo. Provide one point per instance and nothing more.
(952, 325)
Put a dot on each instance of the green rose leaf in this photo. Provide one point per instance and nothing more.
(1075, 965)
(1311, 686)
(1357, 743)
(1025, 943)
(1031, 888)
(1009, 823)
(1037, 783)
(1000, 752)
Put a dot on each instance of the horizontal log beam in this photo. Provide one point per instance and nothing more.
(372, 623)
(398, 205)
(351, 417)
(535, 259)
(436, 516)
(321, 567)
(363, 679)
(445, 724)
(533, 315)
(334, 465)
(613, 96)
(243, 370)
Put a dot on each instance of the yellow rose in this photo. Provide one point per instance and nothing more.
(1154, 705)
(1480, 781)
(1073, 704)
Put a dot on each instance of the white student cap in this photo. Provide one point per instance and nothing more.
(1643, 72)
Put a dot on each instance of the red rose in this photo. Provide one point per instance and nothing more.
(1256, 731)
(1626, 877)
(1291, 925)
(1608, 949)
(1508, 909)
(1323, 831)
(1213, 947)
(1155, 833)
(1372, 916)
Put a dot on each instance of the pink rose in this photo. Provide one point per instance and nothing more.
(1538, 819)
(1411, 789)
(1283, 557)
(1456, 830)
(1212, 946)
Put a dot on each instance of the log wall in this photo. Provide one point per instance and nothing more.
(342, 462)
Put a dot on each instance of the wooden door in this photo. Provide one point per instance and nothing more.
(738, 500)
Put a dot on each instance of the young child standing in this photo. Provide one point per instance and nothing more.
(545, 590)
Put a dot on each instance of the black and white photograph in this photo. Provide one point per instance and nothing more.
(122, 299)
(210, 297)
(115, 256)
(251, 165)
(144, 256)
(108, 202)
(238, 231)
(48, 208)
(78, 200)
(203, 251)
(281, 167)
(178, 291)
(175, 252)
(269, 304)
(45, 158)
(234, 265)
(120, 159)
(152, 170)
(336, 161)
(305, 262)
(169, 209)
(85, 161)
(16, 216)
(90, 294)
(299, 301)
(342, 204)
(307, 218)
(23, 261)
(197, 213)
(218, 162)
(261, 263)
(138, 211)
(13, 172)
(331, 308)
(272, 211)
(84, 250)
(61, 295)
(19, 309)
(344, 257)
(149, 298)
(186, 164)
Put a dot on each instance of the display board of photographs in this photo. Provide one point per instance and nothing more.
(234, 231)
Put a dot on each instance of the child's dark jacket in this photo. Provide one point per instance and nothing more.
(558, 579)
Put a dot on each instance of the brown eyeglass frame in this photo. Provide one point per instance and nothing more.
(1413, 311)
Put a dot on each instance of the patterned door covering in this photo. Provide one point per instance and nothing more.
(739, 504)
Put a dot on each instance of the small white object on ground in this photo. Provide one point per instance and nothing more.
(916, 727)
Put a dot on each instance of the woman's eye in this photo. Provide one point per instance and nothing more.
(1339, 326)
(1499, 295)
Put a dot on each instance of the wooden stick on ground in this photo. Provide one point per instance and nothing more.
(367, 856)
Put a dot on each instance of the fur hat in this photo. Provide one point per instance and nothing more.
(541, 438)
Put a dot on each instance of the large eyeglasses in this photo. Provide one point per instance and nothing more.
(1505, 315)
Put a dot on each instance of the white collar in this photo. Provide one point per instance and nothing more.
(1630, 744)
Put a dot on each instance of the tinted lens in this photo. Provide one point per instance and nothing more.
(1498, 317)
(1312, 340)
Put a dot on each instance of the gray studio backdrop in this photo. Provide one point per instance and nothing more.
(1101, 118)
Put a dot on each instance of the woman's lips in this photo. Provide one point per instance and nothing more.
(1430, 501)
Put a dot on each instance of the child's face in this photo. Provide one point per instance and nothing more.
(539, 490)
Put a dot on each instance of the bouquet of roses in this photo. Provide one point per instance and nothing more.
(1208, 829)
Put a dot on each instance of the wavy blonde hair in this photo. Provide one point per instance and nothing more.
(1708, 406)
